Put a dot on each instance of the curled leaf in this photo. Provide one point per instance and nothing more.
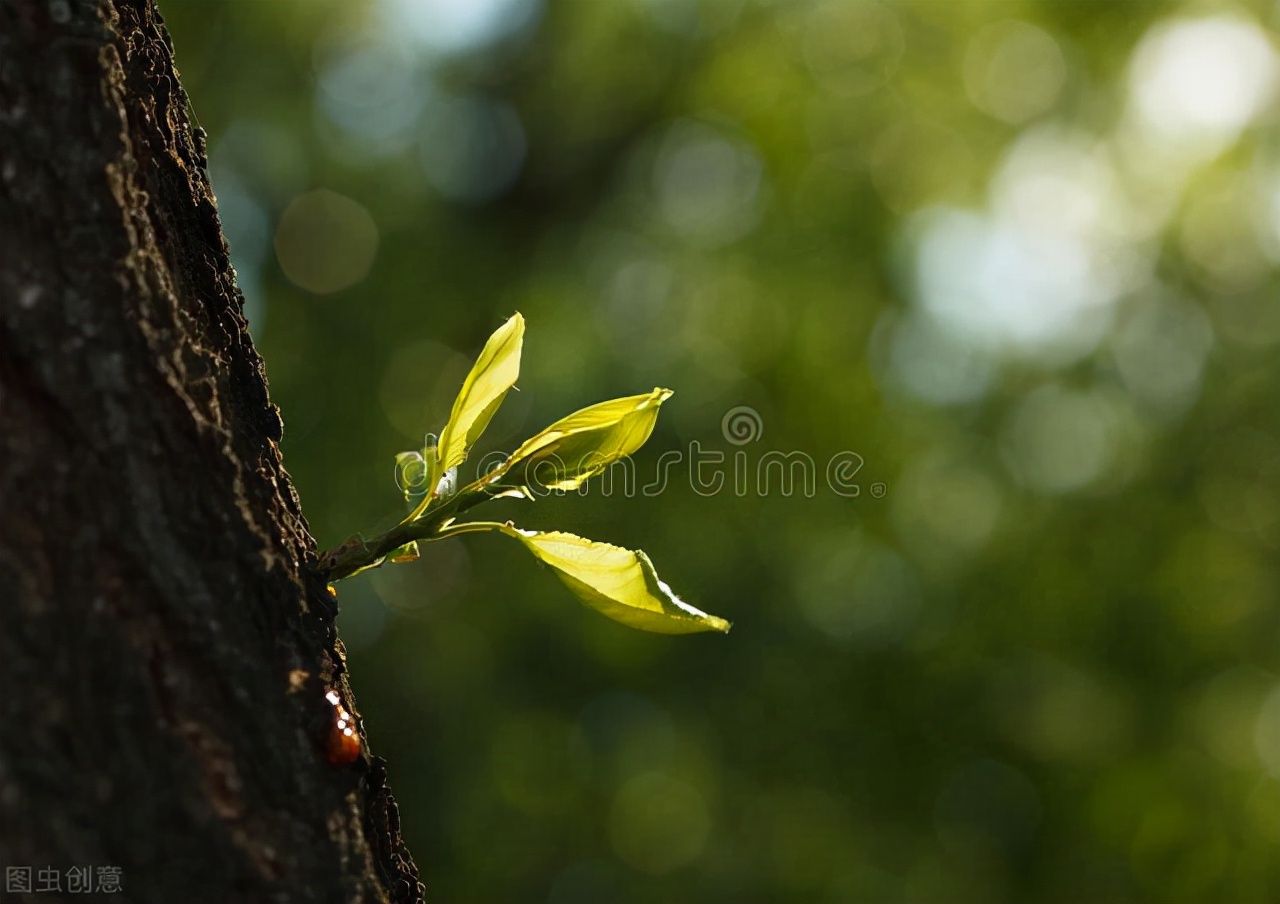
(582, 445)
(411, 473)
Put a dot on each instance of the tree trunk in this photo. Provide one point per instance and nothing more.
(168, 642)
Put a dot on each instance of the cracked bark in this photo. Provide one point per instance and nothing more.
(167, 641)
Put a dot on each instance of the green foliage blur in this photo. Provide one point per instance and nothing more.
(1017, 259)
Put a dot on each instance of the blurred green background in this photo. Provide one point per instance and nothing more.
(1020, 257)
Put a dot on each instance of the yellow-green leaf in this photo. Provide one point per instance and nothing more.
(585, 443)
(493, 374)
(620, 583)
(482, 392)
(407, 553)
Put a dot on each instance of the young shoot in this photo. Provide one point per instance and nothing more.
(620, 583)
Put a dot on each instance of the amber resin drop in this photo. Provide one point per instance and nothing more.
(343, 744)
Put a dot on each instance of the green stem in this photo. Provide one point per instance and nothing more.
(357, 553)
(471, 527)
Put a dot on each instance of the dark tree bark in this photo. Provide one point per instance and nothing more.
(167, 641)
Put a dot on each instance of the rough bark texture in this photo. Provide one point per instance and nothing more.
(167, 643)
